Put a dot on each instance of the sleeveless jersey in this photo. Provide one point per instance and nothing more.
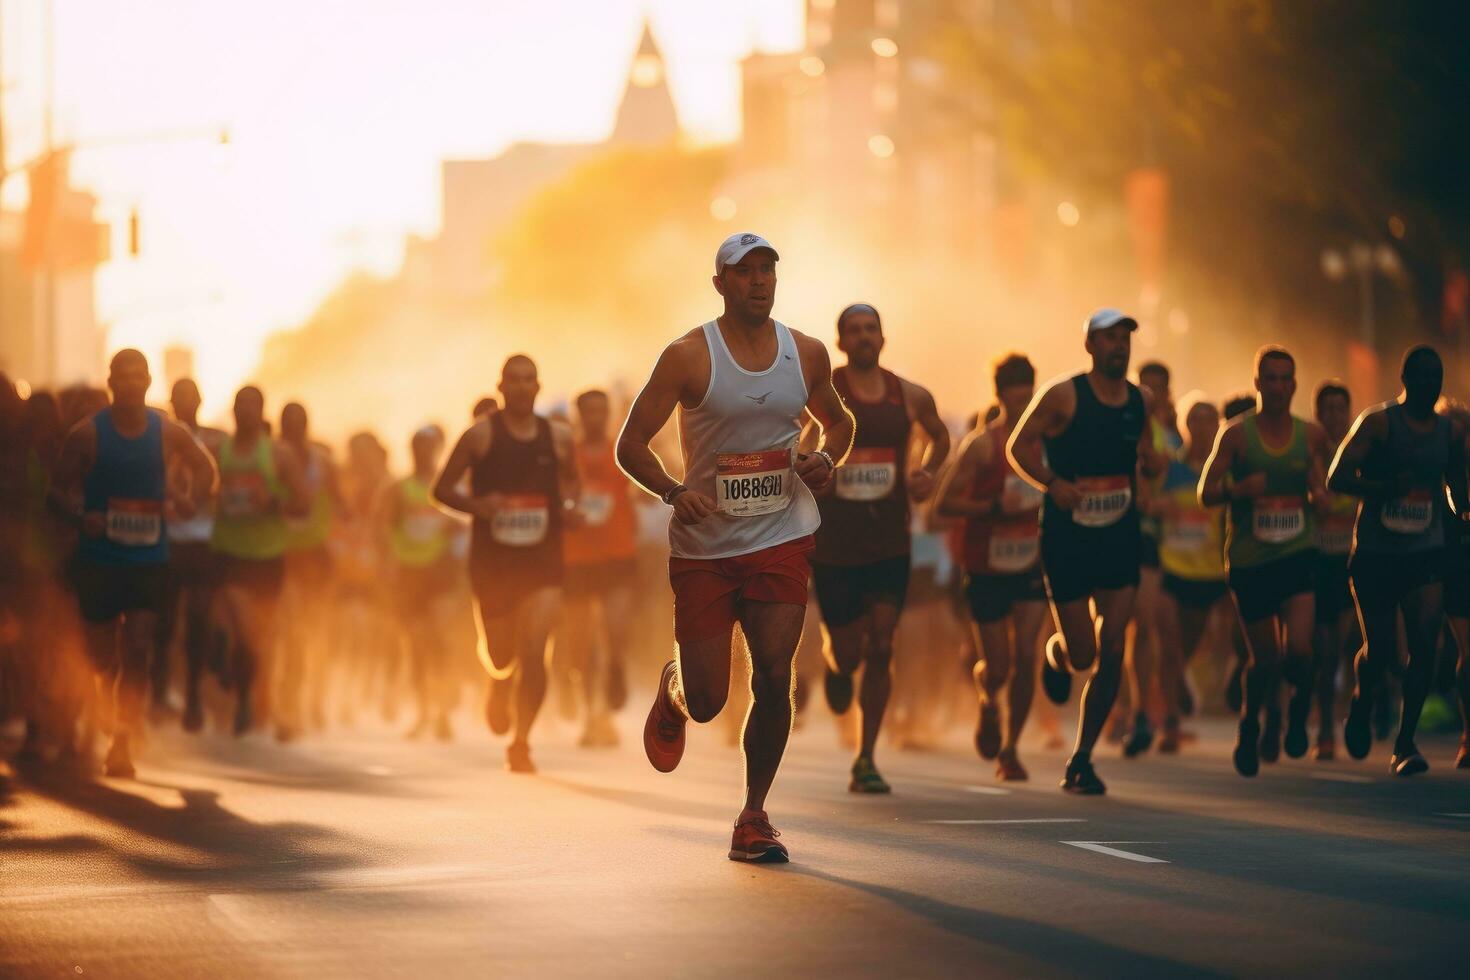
(1098, 452)
(739, 447)
(128, 485)
(312, 529)
(866, 516)
(609, 528)
(420, 534)
(1191, 543)
(1414, 522)
(1008, 543)
(197, 529)
(1279, 523)
(244, 526)
(524, 541)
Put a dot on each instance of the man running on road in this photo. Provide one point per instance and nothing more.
(1336, 615)
(1399, 458)
(743, 518)
(1081, 443)
(1002, 559)
(1275, 464)
(523, 491)
(112, 480)
(860, 567)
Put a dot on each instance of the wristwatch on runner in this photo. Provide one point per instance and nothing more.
(831, 465)
(668, 495)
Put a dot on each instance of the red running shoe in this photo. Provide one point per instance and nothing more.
(663, 733)
(755, 840)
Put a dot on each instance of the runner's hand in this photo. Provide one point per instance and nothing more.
(814, 471)
(183, 506)
(921, 484)
(691, 507)
(488, 506)
(1064, 493)
(94, 524)
(1251, 487)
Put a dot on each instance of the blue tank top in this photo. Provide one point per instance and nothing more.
(126, 483)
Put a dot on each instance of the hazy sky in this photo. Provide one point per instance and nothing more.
(339, 112)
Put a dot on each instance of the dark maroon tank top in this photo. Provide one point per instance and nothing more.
(866, 516)
(523, 544)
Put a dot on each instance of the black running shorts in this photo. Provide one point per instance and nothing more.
(106, 591)
(1380, 582)
(1195, 593)
(1261, 590)
(845, 593)
(992, 597)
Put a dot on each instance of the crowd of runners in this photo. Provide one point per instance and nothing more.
(1170, 553)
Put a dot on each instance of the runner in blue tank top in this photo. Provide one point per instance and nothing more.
(1399, 459)
(111, 481)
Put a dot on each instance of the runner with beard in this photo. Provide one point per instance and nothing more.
(1268, 467)
(111, 479)
(1399, 459)
(1001, 552)
(1081, 442)
(860, 566)
(1336, 615)
(743, 518)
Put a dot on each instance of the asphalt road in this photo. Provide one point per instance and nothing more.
(365, 855)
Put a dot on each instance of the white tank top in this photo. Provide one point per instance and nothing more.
(739, 447)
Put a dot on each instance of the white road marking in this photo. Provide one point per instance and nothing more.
(988, 790)
(1341, 777)
(1100, 848)
(1027, 820)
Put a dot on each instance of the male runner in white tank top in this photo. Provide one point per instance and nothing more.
(743, 518)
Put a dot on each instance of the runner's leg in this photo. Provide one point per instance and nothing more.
(1423, 610)
(535, 616)
(1115, 608)
(772, 631)
(1026, 618)
(882, 620)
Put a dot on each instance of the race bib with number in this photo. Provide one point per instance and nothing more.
(1409, 514)
(1105, 499)
(134, 523)
(521, 521)
(1018, 496)
(750, 484)
(1335, 535)
(596, 508)
(1014, 549)
(240, 492)
(868, 474)
(1277, 520)
(1189, 532)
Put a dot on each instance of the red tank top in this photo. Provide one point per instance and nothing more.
(866, 516)
(1002, 544)
(609, 528)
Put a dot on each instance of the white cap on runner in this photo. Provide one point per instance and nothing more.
(735, 248)
(1105, 318)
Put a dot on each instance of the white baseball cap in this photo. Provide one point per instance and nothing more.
(735, 248)
(1107, 317)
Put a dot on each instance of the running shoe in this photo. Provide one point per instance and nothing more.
(1462, 759)
(838, 688)
(1357, 731)
(1298, 707)
(663, 732)
(1140, 738)
(1056, 674)
(518, 758)
(1008, 769)
(865, 778)
(755, 840)
(617, 686)
(1271, 735)
(1081, 778)
(987, 735)
(1406, 761)
(119, 764)
(1326, 749)
(497, 705)
(1247, 747)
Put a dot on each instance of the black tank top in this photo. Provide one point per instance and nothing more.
(866, 516)
(523, 545)
(1100, 445)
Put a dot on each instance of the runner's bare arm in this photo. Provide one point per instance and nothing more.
(667, 387)
(180, 444)
(1317, 470)
(826, 408)
(1455, 476)
(78, 453)
(924, 412)
(569, 477)
(449, 486)
(1345, 474)
(1228, 445)
(1049, 413)
(953, 497)
(288, 468)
